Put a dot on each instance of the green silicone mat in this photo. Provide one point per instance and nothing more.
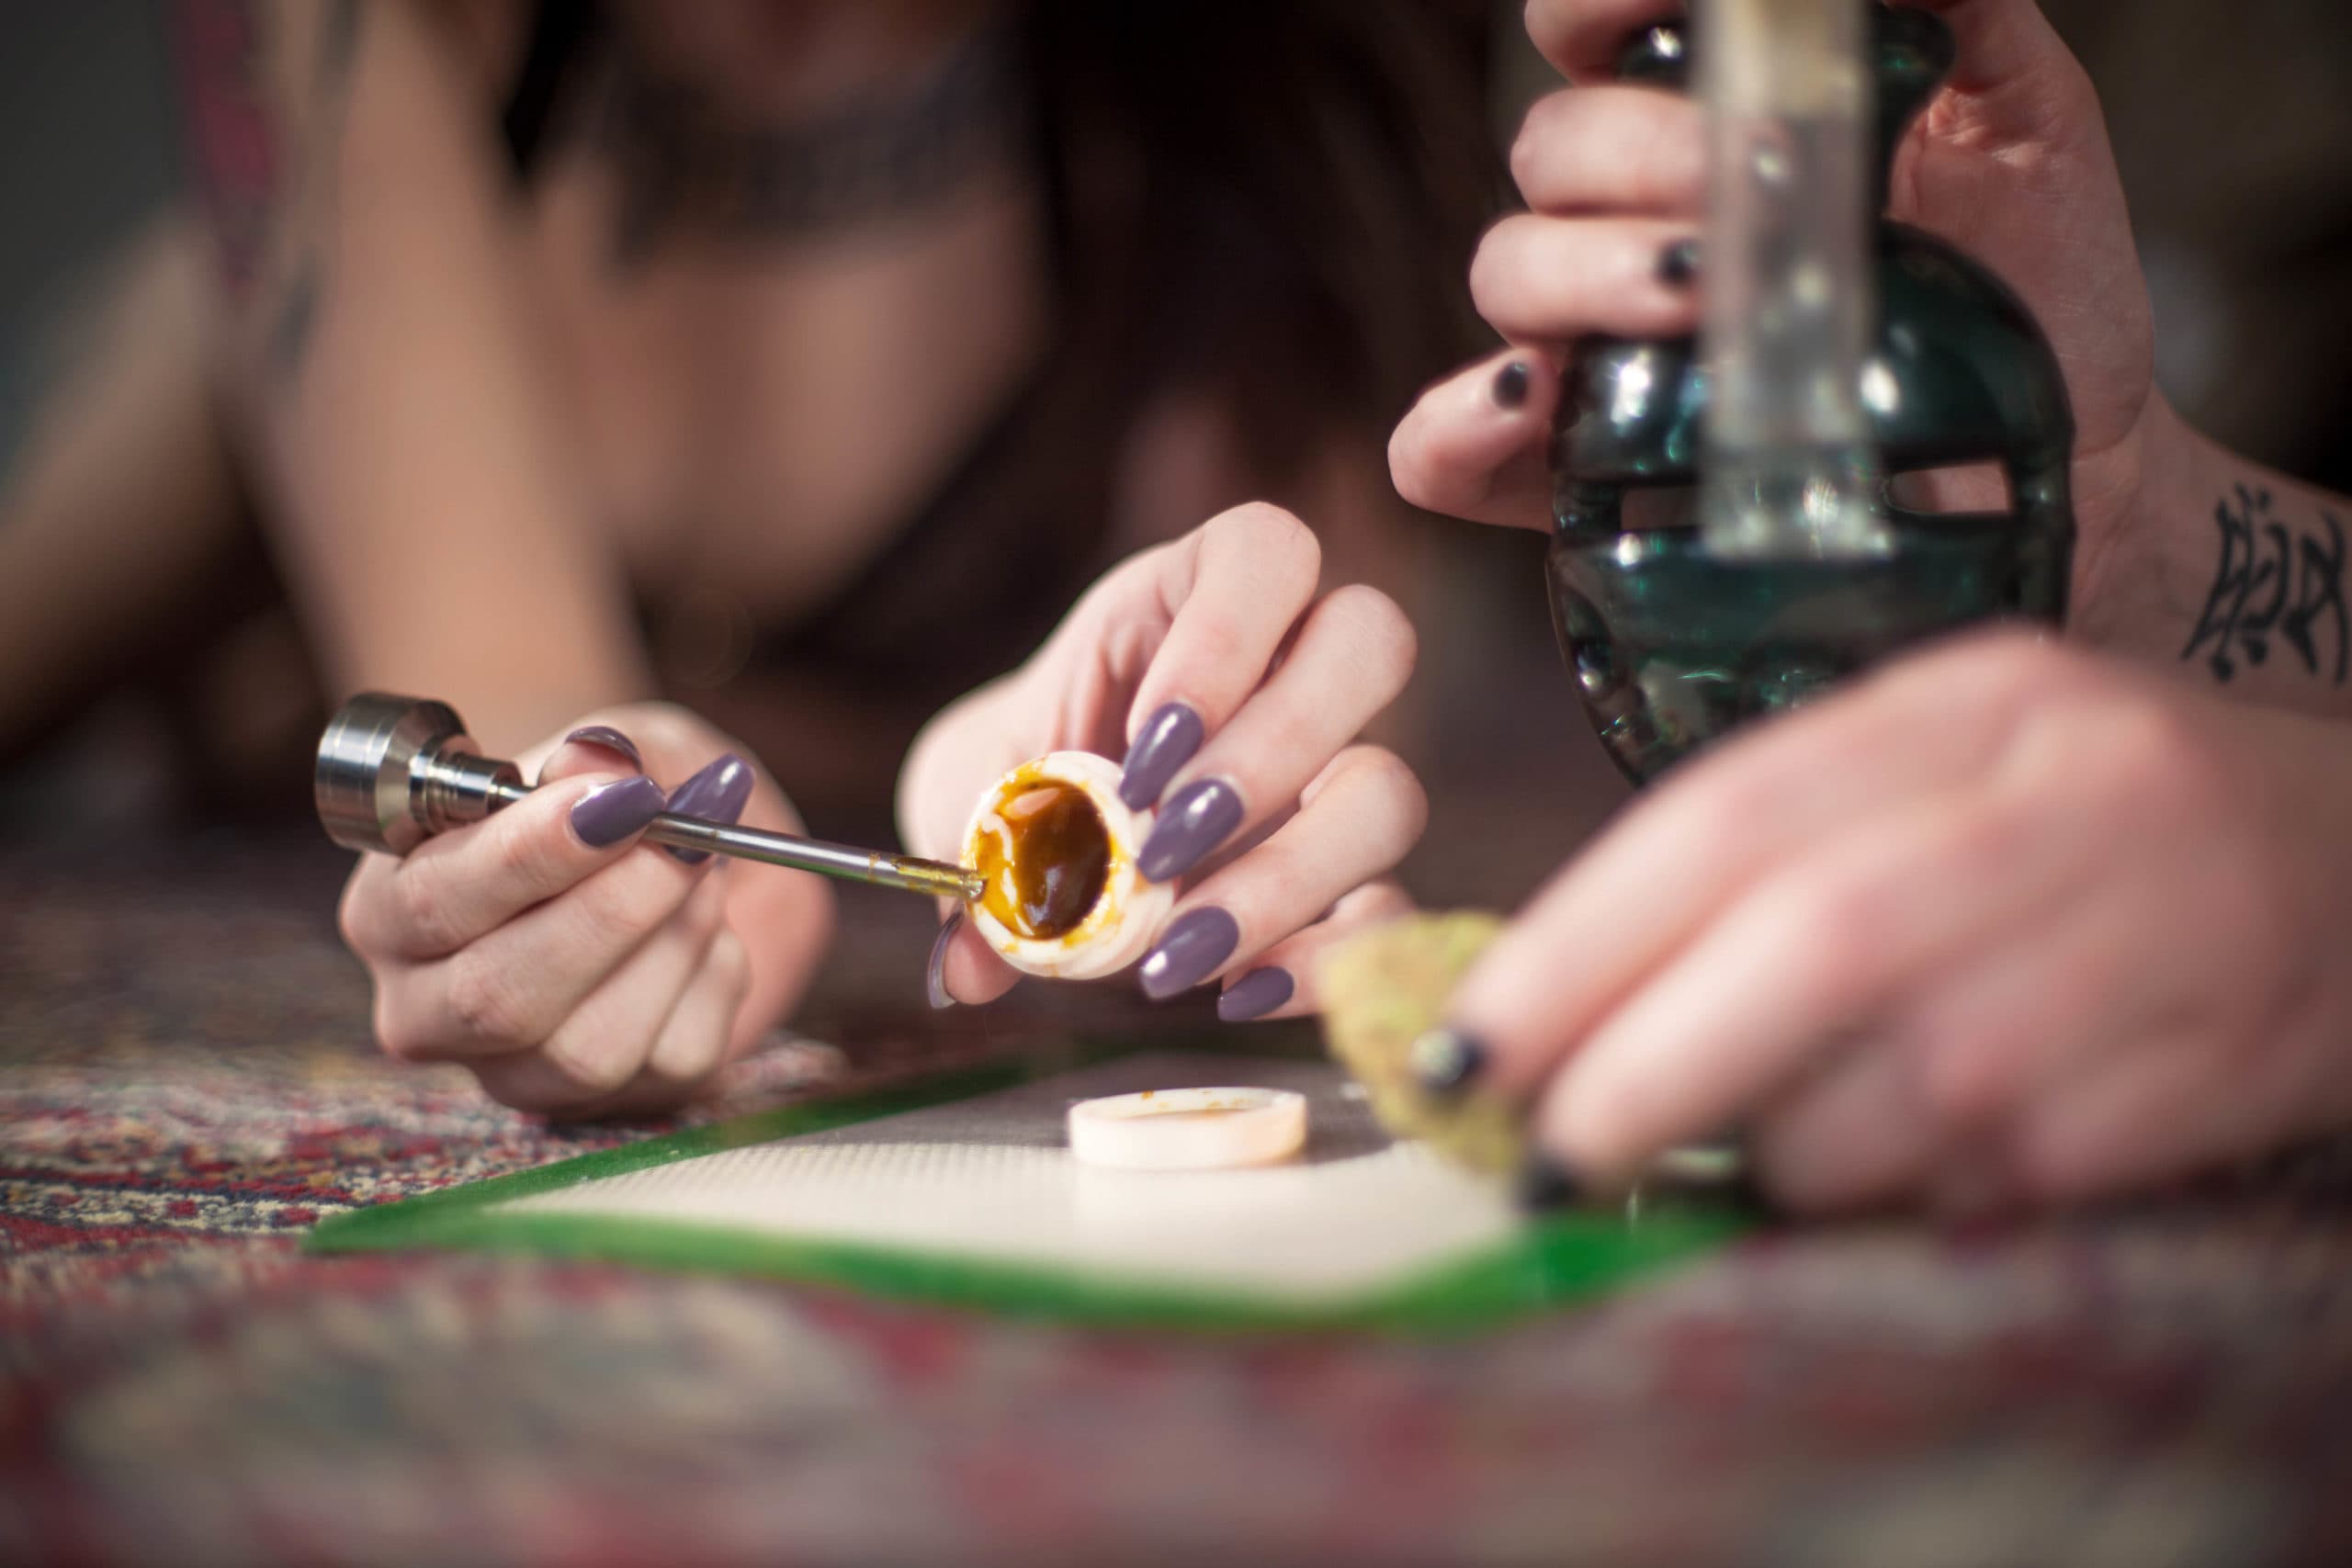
(956, 1191)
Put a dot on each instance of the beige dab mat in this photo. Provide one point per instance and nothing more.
(963, 1191)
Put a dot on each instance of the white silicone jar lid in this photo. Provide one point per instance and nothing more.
(1189, 1129)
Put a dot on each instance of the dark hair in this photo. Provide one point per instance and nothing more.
(1290, 193)
(1272, 205)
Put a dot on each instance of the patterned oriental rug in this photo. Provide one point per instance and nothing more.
(186, 1084)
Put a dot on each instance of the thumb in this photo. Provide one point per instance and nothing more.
(963, 968)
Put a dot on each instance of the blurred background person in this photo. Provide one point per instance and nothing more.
(796, 361)
(1264, 215)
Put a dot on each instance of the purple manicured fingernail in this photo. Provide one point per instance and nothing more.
(1195, 822)
(935, 977)
(611, 739)
(1255, 994)
(718, 794)
(611, 812)
(1190, 952)
(1511, 385)
(1165, 743)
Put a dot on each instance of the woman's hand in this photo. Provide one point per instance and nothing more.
(2005, 922)
(574, 970)
(2009, 161)
(1235, 693)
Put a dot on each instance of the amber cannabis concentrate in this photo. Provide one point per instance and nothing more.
(1046, 858)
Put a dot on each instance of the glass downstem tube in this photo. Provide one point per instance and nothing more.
(1787, 470)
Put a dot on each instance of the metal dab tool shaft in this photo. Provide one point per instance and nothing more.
(394, 771)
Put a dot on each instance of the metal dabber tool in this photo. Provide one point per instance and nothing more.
(394, 771)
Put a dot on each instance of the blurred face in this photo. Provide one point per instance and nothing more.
(787, 56)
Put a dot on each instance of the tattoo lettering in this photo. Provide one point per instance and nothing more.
(2274, 583)
(270, 203)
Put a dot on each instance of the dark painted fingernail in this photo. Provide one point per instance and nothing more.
(935, 977)
(611, 739)
(1445, 1061)
(1678, 264)
(1255, 994)
(1190, 952)
(611, 812)
(718, 794)
(1510, 384)
(1544, 1183)
(1166, 742)
(1190, 825)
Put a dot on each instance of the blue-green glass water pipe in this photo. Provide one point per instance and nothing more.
(1670, 645)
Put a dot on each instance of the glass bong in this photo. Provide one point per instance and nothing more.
(1834, 356)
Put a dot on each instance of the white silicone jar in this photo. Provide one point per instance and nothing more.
(1126, 915)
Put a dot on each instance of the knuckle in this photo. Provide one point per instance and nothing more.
(1538, 129)
(682, 1062)
(2144, 765)
(705, 915)
(1383, 635)
(1718, 809)
(1492, 261)
(728, 962)
(1557, 126)
(1409, 468)
(1501, 246)
(1272, 539)
(1412, 800)
(489, 1002)
(1989, 829)
(613, 911)
(1525, 277)
(590, 1060)
(347, 926)
(1393, 782)
(1372, 904)
(1992, 674)
(425, 917)
(2010, 670)
(1523, 160)
(1107, 601)
(1824, 925)
(520, 858)
(351, 922)
(2149, 743)
(395, 1036)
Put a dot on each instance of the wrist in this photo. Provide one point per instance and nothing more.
(2176, 460)
(2132, 506)
(2237, 577)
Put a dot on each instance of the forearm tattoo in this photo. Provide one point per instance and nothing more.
(2273, 580)
(269, 201)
